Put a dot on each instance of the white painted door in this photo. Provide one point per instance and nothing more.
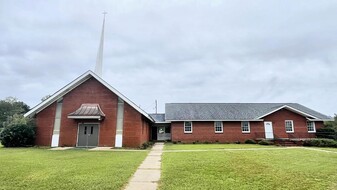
(268, 129)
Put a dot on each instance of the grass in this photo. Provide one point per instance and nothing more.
(324, 148)
(33, 168)
(260, 169)
(170, 146)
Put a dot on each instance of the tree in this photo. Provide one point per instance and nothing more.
(18, 132)
(329, 130)
(9, 107)
(331, 124)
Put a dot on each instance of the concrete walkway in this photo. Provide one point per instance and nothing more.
(148, 173)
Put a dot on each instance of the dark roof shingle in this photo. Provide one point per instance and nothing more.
(229, 111)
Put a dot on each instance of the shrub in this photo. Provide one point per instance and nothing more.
(206, 142)
(264, 142)
(327, 133)
(18, 135)
(250, 141)
(321, 143)
(146, 145)
(174, 142)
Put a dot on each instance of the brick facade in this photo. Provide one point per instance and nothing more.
(135, 130)
(136, 125)
(45, 125)
(204, 130)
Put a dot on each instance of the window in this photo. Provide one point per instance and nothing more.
(188, 127)
(289, 126)
(245, 127)
(311, 126)
(218, 127)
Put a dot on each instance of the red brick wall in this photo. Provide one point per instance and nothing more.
(91, 91)
(300, 124)
(204, 131)
(136, 127)
(45, 125)
(145, 134)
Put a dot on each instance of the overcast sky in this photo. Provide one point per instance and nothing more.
(175, 51)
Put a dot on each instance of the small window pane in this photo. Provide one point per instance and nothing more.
(311, 126)
(188, 127)
(245, 127)
(85, 130)
(218, 127)
(92, 130)
(289, 126)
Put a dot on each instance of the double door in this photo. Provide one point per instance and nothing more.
(87, 135)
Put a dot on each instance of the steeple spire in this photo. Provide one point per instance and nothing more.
(99, 60)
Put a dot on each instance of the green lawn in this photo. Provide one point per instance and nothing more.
(328, 149)
(33, 168)
(260, 169)
(170, 146)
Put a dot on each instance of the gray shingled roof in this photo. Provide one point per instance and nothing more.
(158, 117)
(230, 111)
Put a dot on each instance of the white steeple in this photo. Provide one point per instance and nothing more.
(99, 60)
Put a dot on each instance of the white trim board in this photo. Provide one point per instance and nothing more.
(215, 120)
(290, 109)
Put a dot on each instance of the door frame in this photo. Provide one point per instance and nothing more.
(272, 128)
(89, 123)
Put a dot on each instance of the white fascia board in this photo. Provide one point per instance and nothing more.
(216, 120)
(320, 119)
(289, 108)
(76, 83)
(85, 117)
(162, 122)
(59, 94)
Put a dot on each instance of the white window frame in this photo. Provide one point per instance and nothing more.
(215, 126)
(242, 122)
(188, 126)
(292, 126)
(313, 126)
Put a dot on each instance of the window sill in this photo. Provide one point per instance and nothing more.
(311, 131)
(219, 132)
(289, 131)
(188, 132)
(245, 132)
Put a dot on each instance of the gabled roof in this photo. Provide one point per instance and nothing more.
(81, 79)
(234, 111)
(87, 111)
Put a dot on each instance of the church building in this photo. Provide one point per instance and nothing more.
(88, 112)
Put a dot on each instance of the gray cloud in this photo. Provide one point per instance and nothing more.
(175, 51)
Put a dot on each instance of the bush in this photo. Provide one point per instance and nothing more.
(146, 145)
(321, 143)
(250, 141)
(327, 133)
(18, 135)
(264, 142)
